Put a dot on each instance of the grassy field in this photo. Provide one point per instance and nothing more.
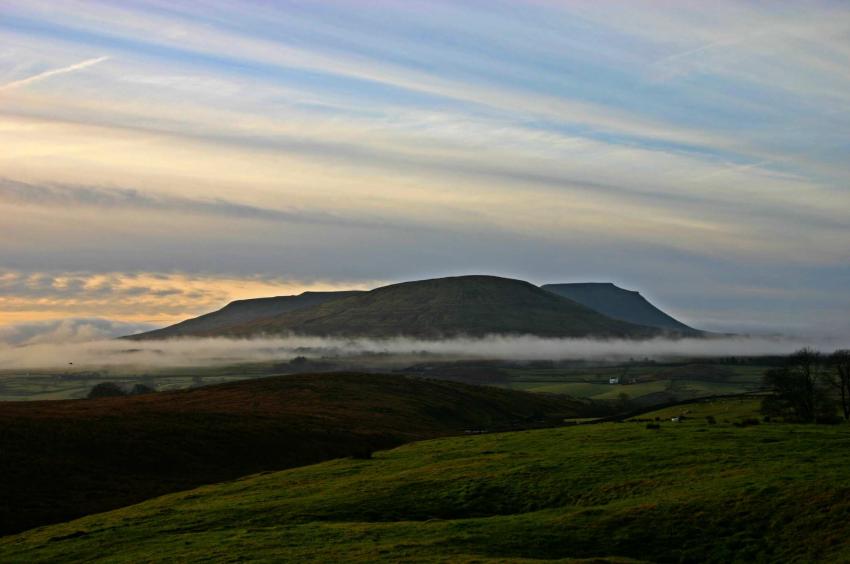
(675, 381)
(76, 384)
(687, 492)
(655, 383)
(64, 459)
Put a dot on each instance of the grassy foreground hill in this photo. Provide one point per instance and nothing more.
(687, 492)
(63, 459)
(448, 307)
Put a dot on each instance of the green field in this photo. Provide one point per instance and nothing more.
(681, 380)
(677, 381)
(687, 492)
(75, 385)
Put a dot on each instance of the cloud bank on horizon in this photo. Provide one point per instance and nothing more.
(159, 160)
(64, 332)
(99, 353)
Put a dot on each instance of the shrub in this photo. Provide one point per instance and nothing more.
(653, 426)
(710, 420)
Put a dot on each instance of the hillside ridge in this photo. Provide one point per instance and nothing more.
(241, 311)
(619, 303)
(473, 306)
(110, 452)
(696, 490)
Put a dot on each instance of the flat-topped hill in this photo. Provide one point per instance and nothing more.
(617, 303)
(448, 307)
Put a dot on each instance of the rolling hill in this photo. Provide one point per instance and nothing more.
(447, 307)
(615, 492)
(242, 311)
(617, 303)
(65, 459)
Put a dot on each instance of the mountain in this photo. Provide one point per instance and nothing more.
(617, 303)
(242, 311)
(447, 307)
(65, 459)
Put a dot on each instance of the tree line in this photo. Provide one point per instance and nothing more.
(810, 387)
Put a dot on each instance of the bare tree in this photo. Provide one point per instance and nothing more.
(839, 361)
(799, 388)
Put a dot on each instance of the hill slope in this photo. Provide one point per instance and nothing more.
(688, 492)
(243, 311)
(617, 303)
(448, 307)
(64, 459)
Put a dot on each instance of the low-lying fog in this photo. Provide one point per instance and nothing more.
(221, 351)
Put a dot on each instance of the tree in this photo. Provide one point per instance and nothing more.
(839, 361)
(800, 391)
(139, 389)
(106, 390)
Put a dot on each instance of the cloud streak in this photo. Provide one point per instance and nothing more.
(58, 195)
(54, 72)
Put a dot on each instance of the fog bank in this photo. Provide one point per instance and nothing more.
(222, 351)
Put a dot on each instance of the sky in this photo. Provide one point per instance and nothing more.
(158, 159)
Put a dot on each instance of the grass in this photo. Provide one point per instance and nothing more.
(65, 459)
(728, 410)
(683, 379)
(657, 383)
(684, 493)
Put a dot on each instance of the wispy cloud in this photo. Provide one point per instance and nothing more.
(53, 72)
(66, 196)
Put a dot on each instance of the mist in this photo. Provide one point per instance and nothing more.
(199, 352)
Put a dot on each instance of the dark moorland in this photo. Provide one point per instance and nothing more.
(64, 459)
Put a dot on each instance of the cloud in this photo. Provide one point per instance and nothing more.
(314, 141)
(60, 195)
(65, 331)
(139, 297)
(47, 74)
